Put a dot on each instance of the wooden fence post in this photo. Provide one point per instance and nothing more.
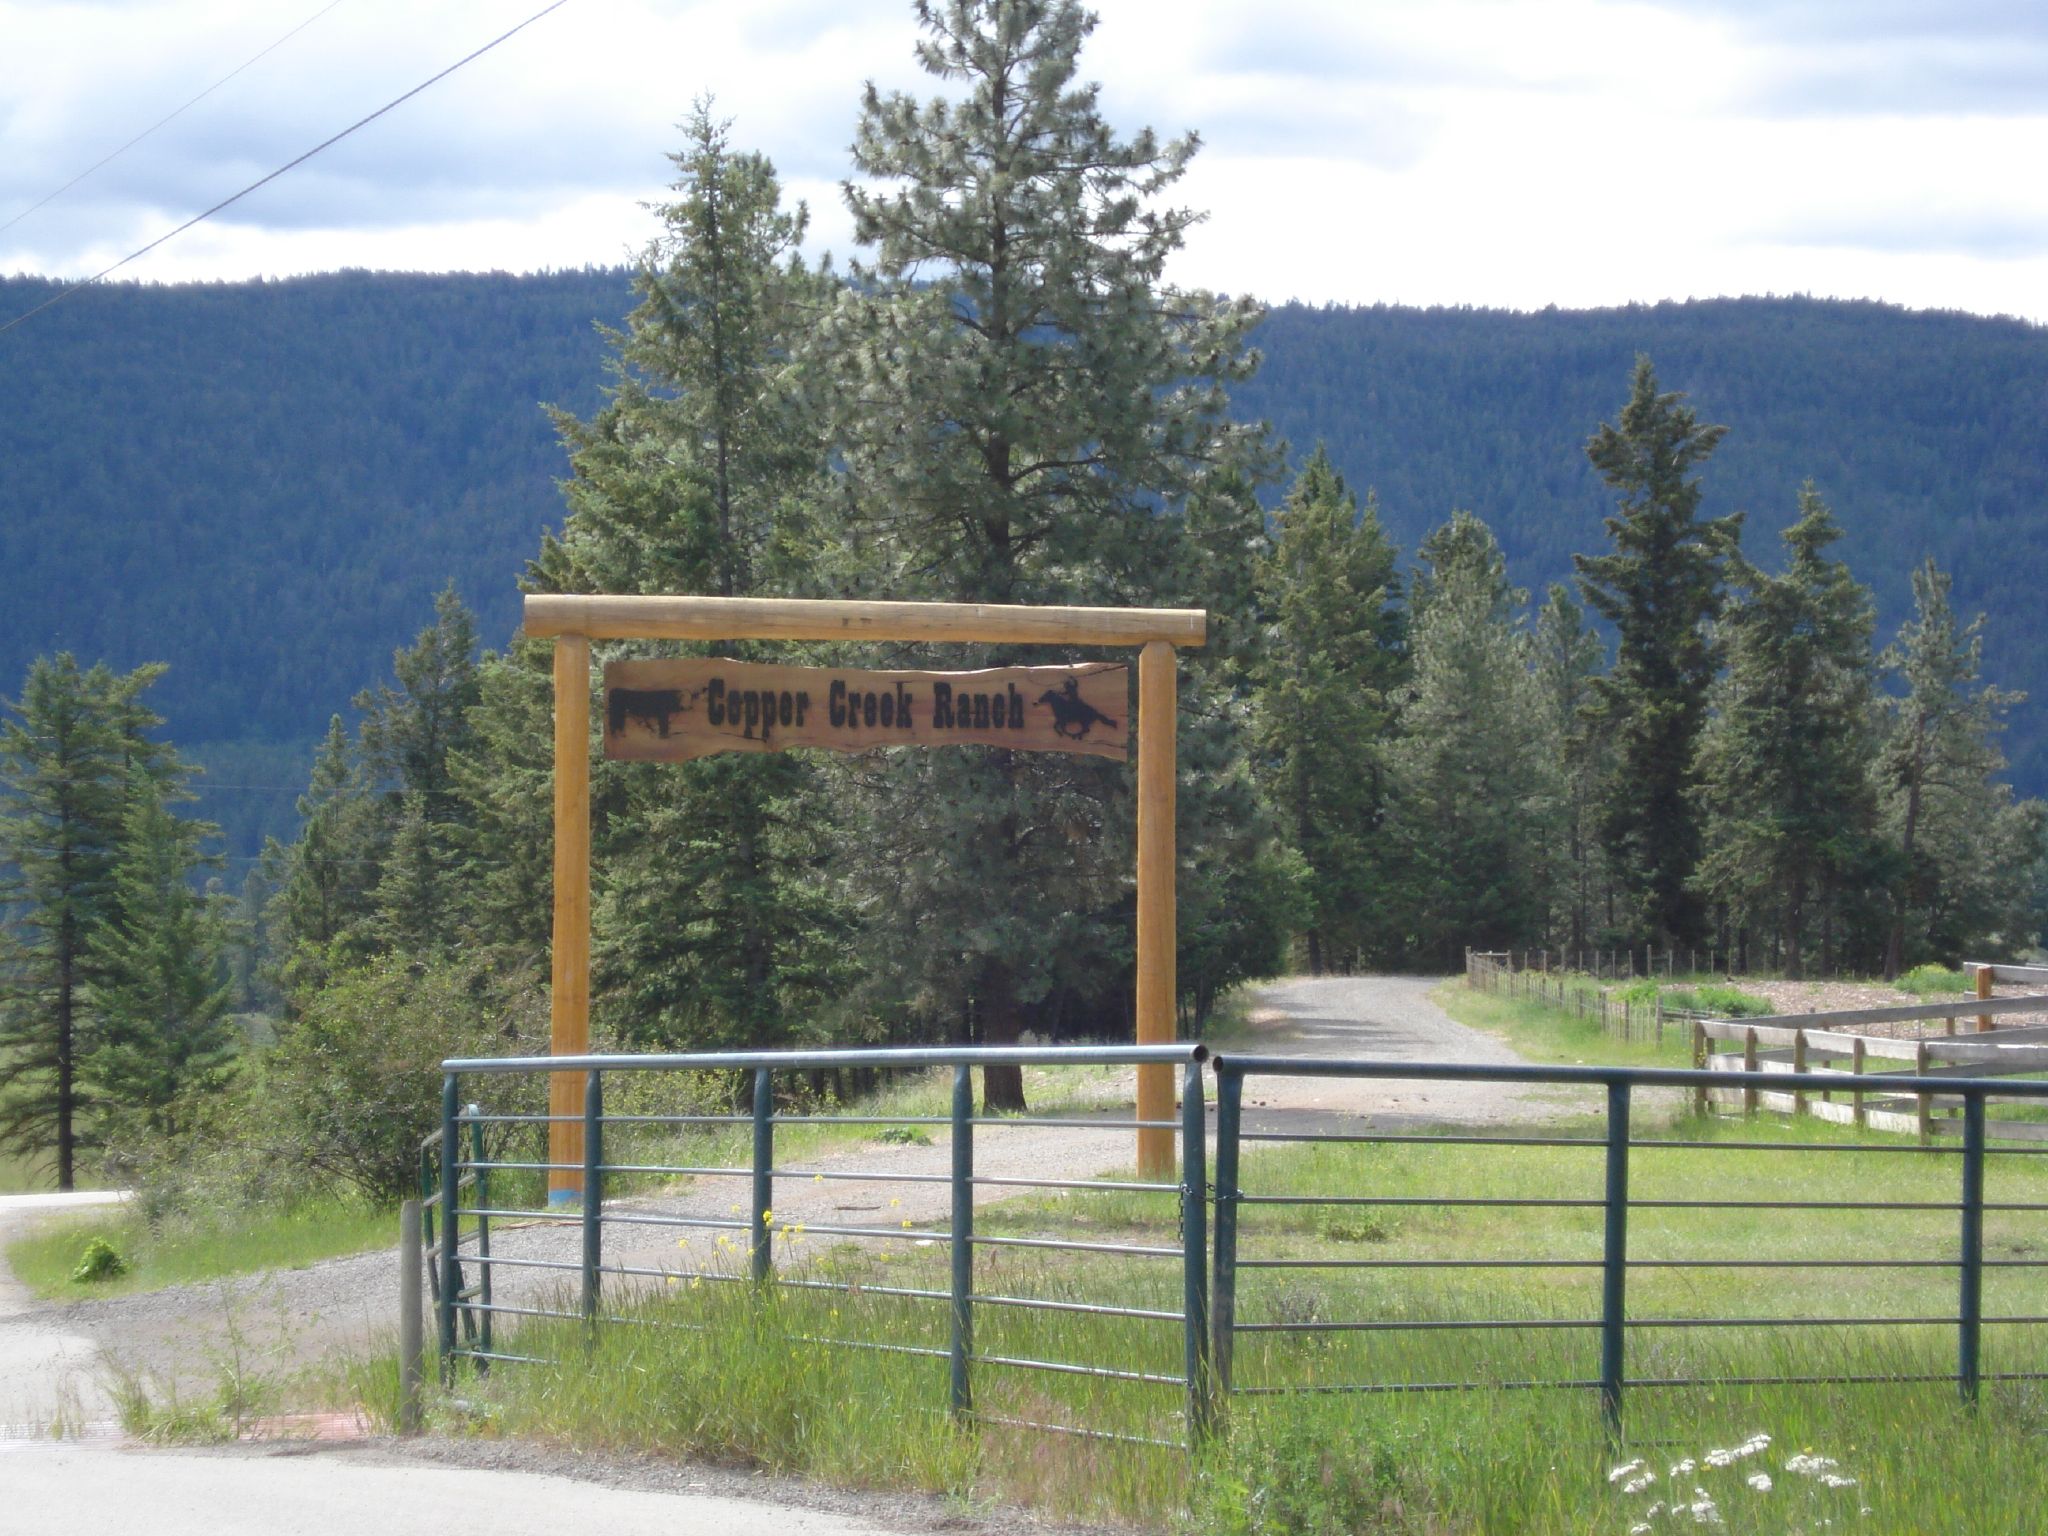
(1798, 1072)
(1926, 1111)
(1859, 1115)
(1699, 1062)
(1749, 1065)
(1985, 976)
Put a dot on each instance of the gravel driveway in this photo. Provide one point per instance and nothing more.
(294, 1317)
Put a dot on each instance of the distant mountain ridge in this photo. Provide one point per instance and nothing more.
(263, 483)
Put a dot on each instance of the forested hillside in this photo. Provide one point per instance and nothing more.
(263, 484)
(1926, 432)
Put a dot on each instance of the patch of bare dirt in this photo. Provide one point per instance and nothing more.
(1795, 997)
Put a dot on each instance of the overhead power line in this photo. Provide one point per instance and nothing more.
(226, 202)
(152, 128)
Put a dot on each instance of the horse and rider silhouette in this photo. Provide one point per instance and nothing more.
(1072, 715)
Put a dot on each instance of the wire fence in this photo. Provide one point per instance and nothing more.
(1580, 994)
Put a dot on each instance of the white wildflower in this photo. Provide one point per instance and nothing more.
(1703, 1509)
(1626, 1469)
(1749, 1447)
(1640, 1528)
(1639, 1484)
(1760, 1481)
(1683, 1468)
(1836, 1480)
(1806, 1464)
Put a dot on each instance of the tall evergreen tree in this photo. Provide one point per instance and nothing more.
(1472, 776)
(1024, 407)
(378, 862)
(713, 920)
(69, 758)
(1326, 676)
(1661, 588)
(1784, 764)
(702, 469)
(1566, 657)
(1966, 848)
(161, 996)
(326, 879)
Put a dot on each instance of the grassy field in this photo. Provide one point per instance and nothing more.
(713, 1369)
(1549, 1036)
(195, 1248)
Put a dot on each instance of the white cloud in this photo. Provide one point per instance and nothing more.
(1430, 151)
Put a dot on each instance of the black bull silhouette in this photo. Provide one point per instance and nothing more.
(654, 708)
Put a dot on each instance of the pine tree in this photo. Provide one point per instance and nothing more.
(1966, 849)
(1472, 787)
(391, 794)
(67, 763)
(1566, 657)
(1024, 407)
(1326, 675)
(714, 922)
(701, 471)
(1661, 589)
(409, 733)
(326, 880)
(1784, 764)
(160, 999)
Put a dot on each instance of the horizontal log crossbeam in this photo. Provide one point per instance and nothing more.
(608, 617)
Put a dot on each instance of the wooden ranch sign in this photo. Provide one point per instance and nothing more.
(674, 710)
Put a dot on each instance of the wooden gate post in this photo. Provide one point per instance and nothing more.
(569, 999)
(1156, 978)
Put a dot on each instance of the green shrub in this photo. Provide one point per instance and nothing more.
(100, 1261)
(1933, 981)
(354, 1084)
(1708, 997)
(1721, 1002)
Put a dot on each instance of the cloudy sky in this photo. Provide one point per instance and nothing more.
(1490, 152)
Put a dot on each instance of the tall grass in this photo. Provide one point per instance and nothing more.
(1551, 1036)
(769, 1377)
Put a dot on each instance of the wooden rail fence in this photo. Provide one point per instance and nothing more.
(1810, 1047)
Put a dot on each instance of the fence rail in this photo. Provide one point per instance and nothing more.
(1785, 1046)
(1244, 1247)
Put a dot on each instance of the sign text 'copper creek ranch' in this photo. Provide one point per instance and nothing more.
(671, 710)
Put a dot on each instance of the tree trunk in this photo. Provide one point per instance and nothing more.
(1002, 1023)
(67, 1053)
(1795, 918)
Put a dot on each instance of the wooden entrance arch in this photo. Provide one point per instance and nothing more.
(573, 621)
